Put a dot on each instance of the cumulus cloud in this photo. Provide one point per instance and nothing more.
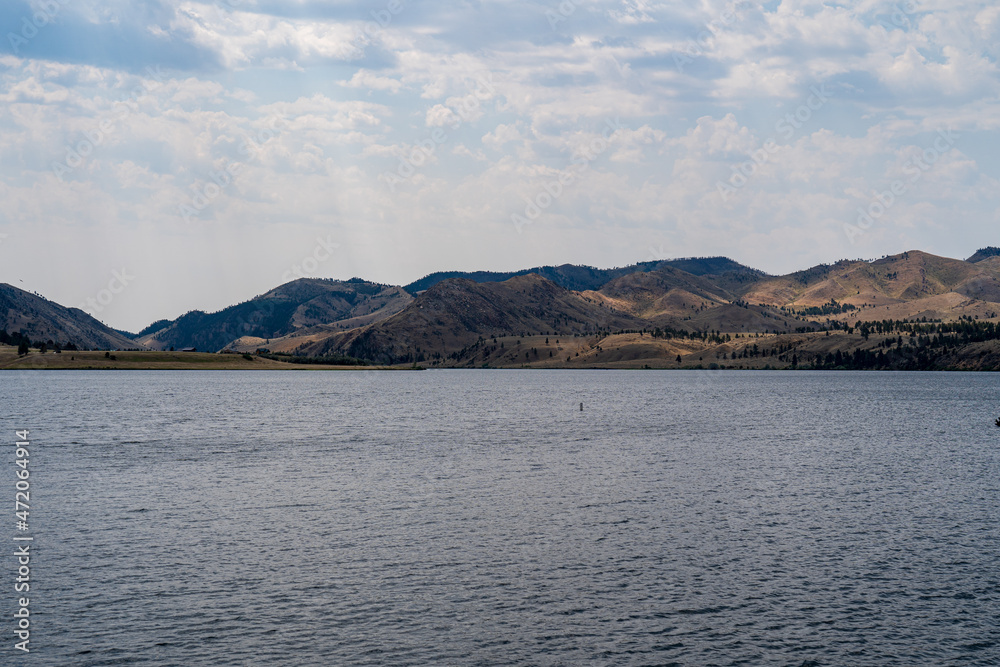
(369, 81)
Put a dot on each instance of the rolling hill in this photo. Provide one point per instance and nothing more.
(44, 320)
(909, 284)
(296, 306)
(456, 312)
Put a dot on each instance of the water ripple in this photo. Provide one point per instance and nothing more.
(361, 518)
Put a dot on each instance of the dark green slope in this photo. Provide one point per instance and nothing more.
(582, 278)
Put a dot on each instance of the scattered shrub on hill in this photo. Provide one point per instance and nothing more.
(831, 308)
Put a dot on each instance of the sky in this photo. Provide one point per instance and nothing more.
(162, 156)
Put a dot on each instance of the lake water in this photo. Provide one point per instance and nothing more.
(480, 518)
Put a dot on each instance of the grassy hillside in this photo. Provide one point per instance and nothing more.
(151, 360)
(43, 320)
(898, 346)
(907, 277)
(456, 312)
(286, 309)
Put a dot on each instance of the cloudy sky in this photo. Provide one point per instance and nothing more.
(176, 155)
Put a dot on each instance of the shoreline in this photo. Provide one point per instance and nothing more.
(152, 360)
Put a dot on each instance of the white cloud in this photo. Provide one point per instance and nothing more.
(244, 39)
(502, 135)
(440, 116)
(367, 80)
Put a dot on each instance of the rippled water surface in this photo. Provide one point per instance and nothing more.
(480, 518)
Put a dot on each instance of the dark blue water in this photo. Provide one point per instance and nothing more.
(479, 518)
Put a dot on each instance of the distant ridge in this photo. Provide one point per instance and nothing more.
(292, 307)
(581, 277)
(984, 253)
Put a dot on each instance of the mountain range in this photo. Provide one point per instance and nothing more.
(462, 319)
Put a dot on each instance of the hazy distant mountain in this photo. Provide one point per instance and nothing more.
(292, 307)
(580, 278)
(44, 320)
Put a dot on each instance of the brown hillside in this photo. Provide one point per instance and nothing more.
(456, 312)
(908, 277)
(666, 293)
(283, 311)
(41, 319)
